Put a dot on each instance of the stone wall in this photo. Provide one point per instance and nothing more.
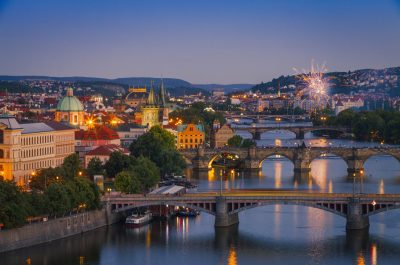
(38, 233)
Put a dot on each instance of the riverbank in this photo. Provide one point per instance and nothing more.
(43, 232)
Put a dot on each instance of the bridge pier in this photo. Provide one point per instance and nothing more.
(302, 175)
(355, 219)
(355, 168)
(222, 217)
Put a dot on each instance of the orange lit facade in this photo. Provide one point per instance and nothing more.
(190, 136)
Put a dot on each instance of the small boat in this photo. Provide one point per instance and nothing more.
(137, 219)
(186, 212)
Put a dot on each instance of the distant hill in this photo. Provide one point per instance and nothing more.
(342, 82)
(174, 86)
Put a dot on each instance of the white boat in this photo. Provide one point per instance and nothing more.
(137, 219)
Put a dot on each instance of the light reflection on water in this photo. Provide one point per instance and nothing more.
(274, 234)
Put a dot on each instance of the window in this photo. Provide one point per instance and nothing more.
(1, 153)
(1, 137)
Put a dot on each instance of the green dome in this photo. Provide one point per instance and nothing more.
(69, 102)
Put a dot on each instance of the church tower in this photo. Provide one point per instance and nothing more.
(164, 111)
(150, 110)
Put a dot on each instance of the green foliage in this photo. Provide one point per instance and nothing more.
(44, 177)
(238, 141)
(235, 141)
(158, 145)
(95, 167)
(127, 182)
(117, 163)
(13, 205)
(370, 126)
(59, 200)
(147, 172)
(71, 166)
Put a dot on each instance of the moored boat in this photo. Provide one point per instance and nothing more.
(137, 219)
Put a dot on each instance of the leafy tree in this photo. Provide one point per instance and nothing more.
(118, 162)
(13, 205)
(158, 145)
(95, 167)
(235, 141)
(127, 182)
(44, 177)
(59, 199)
(71, 166)
(247, 143)
(147, 172)
(86, 193)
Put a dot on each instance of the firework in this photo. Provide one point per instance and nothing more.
(315, 82)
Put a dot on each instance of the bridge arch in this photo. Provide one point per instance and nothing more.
(277, 155)
(232, 156)
(338, 209)
(205, 207)
(290, 133)
(328, 155)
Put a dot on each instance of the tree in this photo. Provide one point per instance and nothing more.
(127, 182)
(44, 177)
(247, 143)
(95, 167)
(87, 194)
(13, 205)
(118, 162)
(59, 199)
(235, 141)
(71, 166)
(147, 172)
(158, 145)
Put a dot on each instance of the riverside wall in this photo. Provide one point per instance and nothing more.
(43, 232)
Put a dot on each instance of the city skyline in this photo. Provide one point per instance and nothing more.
(203, 42)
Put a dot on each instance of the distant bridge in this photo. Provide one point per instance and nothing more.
(356, 208)
(301, 156)
(259, 117)
(298, 129)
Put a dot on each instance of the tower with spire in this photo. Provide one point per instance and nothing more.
(164, 111)
(150, 110)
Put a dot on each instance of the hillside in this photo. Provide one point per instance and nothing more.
(342, 82)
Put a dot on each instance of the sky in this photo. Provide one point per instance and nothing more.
(201, 41)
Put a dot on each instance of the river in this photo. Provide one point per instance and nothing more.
(277, 234)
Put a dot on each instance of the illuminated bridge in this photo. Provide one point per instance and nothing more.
(356, 208)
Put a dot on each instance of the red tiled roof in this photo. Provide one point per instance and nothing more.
(100, 132)
(106, 150)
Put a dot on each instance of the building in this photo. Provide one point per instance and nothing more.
(103, 153)
(26, 148)
(87, 140)
(190, 136)
(128, 133)
(150, 111)
(136, 97)
(221, 135)
(70, 109)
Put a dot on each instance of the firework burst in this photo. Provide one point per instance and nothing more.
(314, 82)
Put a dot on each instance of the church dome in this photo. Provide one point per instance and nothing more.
(69, 102)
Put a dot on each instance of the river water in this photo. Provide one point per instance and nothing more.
(277, 234)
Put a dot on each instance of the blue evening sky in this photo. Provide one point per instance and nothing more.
(201, 41)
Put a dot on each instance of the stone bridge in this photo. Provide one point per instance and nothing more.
(298, 130)
(258, 117)
(201, 159)
(356, 208)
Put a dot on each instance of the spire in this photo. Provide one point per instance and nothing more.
(279, 89)
(151, 100)
(162, 93)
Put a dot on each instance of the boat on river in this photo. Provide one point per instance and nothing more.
(138, 219)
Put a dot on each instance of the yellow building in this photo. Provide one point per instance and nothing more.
(150, 111)
(70, 109)
(190, 136)
(25, 148)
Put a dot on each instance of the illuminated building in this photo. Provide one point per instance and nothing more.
(190, 136)
(136, 96)
(70, 109)
(221, 135)
(25, 148)
(103, 153)
(150, 111)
